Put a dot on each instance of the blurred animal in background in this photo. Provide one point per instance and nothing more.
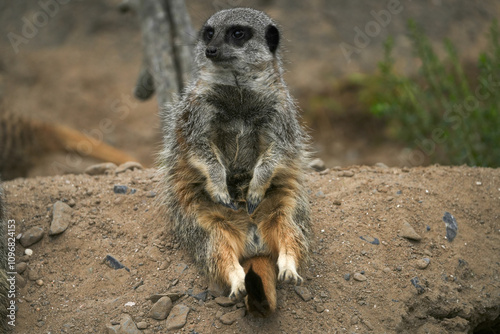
(24, 142)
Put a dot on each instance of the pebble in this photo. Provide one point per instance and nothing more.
(320, 308)
(230, 317)
(161, 309)
(451, 226)
(39, 282)
(172, 295)
(100, 169)
(32, 236)
(151, 194)
(347, 173)
(317, 164)
(337, 202)
(21, 267)
(61, 217)
(423, 263)
(359, 277)
(409, 233)
(131, 165)
(178, 317)
(372, 240)
(114, 263)
(224, 301)
(303, 292)
(320, 194)
(201, 296)
(33, 275)
(415, 282)
(28, 252)
(127, 326)
(347, 277)
(142, 325)
(119, 189)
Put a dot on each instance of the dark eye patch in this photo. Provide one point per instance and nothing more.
(208, 34)
(238, 35)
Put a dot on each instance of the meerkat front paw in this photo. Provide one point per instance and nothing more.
(254, 197)
(237, 279)
(288, 270)
(226, 201)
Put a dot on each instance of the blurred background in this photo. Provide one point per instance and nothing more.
(373, 86)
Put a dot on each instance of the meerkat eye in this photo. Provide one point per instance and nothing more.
(239, 34)
(209, 33)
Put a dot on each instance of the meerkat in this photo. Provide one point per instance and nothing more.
(234, 160)
(24, 141)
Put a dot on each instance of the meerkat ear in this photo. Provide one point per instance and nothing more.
(272, 37)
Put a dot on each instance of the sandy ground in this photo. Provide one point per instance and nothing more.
(353, 284)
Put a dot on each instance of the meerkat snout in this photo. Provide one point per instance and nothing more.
(211, 52)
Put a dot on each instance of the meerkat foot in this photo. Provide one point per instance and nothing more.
(226, 201)
(288, 270)
(237, 280)
(253, 202)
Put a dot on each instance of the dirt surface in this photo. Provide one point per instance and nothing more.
(457, 292)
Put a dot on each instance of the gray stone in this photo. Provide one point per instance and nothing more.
(131, 165)
(61, 217)
(100, 169)
(317, 164)
(161, 308)
(231, 317)
(303, 292)
(224, 301)
(172, 295)
(127, 326)
(142, 325)
(408, 232)
(21, 267)
(178, 317)
(112, 329)
(31, 236)
(422, 263)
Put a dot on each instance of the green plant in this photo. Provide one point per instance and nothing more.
(451, 117)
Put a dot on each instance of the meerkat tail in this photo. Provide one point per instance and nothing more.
(260, 283)
(75, 141)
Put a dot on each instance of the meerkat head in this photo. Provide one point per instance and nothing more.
(239, 39)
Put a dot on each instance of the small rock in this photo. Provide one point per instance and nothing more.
(119, 189)
(201, 296)
(112, 329)
(142, 325)
(28, 252)
(161, 309)
(347, 277)
(21, 267)
(320, 194)
(178, 317)
(224, 301)
(303, 292)
(317, 164)
(354, 320)
(347, 173)
(172, 295)
(131, 165)
(423, 263)
(100, 169)
(114, 263)
(415, 282)
(359, 277)
(61, 216)
(20, 281)
(151, 194)
(372, 240)
(127, 326)
(231, 317)
(33, 275)
(320, 308)
(337, 202)
(409, 233)
(451, 226)
(381, 165)
(31, 236)
(39, 282)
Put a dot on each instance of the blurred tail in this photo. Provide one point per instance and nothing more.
(260, 283)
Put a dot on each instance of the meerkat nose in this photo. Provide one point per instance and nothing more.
(211, 52)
